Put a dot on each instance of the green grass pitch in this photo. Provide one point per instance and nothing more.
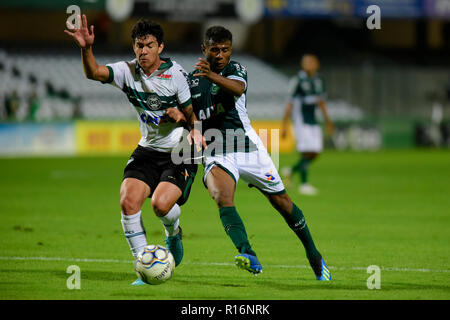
(390, 209)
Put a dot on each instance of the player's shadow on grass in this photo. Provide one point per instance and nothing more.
(393, 286)
(85, 274)
(106, 275)
(305, 284)
(200, 281)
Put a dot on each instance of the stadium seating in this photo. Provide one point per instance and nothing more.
(266, 93)
(60, 80)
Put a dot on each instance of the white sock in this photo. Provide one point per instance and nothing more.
(171, 220)
(134, 231)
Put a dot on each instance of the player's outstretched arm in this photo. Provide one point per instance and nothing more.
(84, 38)
(232, 86)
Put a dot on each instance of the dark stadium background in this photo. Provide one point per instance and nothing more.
(394, 80)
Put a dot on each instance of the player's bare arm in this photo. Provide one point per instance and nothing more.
(328, 123)
(175, 115)
(188, 113)
(84, 38)
(188, 116)
(286, 117)
(232, 86)
(195, 136)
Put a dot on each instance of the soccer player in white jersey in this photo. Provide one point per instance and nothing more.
(153, 85)
(219, 97)
(307, 93)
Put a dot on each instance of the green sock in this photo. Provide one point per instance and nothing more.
(297, 223)
(296, 167)
(303, 168)
(235, 229)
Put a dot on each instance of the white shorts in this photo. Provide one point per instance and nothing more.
(256, 168)
(309, 138)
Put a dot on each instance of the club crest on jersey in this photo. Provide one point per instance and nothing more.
(154, 102)
(214, 89)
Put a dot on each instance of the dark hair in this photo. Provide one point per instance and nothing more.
(146, 27)
(218, 34)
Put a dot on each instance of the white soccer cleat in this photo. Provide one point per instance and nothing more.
(286, 172)
(307, 189)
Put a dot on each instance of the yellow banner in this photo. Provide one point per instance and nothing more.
(270, 133)
(106, 137)
(122, 137)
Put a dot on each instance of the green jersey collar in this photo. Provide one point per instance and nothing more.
(164, 66)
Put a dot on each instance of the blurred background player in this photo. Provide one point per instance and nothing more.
(150, 172)
(307, 92)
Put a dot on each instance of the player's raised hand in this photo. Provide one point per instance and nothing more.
(83, 36)
(204, 67)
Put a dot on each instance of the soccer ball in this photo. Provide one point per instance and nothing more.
(154, 264)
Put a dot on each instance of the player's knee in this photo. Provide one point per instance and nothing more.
(282, 203)
(161, 208)
(310, 155)
(129, 204)
(222, 199)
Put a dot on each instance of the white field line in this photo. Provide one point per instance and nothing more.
(394, 269)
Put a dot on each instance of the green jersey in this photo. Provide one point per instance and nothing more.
(306, 92)
(218, 109)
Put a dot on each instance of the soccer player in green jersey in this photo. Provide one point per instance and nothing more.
(306, 95)
(218, 89)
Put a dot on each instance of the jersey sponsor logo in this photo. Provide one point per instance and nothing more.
(210, 111)
(165, 76)
(147, 118)
(241, 70)
(220, 108)
(269, 176)
(205, 113)
(185, 174)
(311, 99)
(154, 102)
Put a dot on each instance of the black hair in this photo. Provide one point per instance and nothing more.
(218, 34)
(146, 27)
